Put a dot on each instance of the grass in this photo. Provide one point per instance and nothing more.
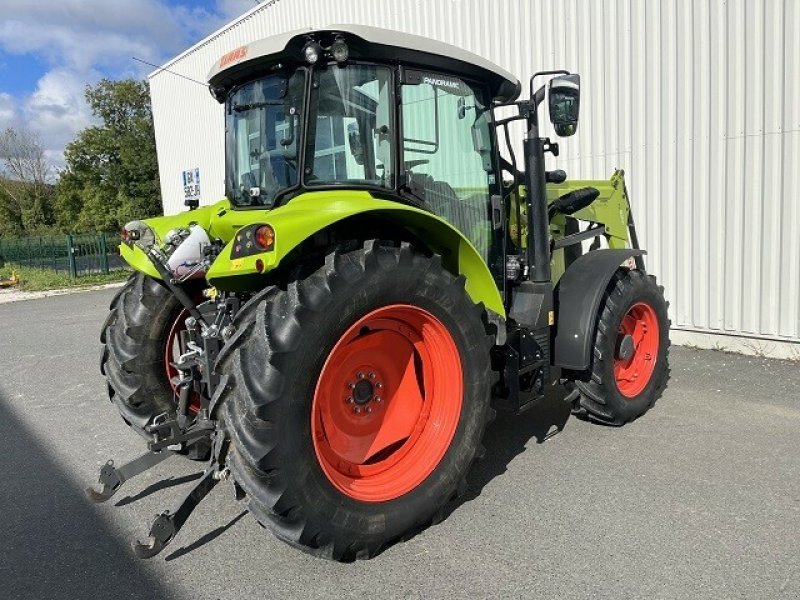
(34, 280)
(757, 348)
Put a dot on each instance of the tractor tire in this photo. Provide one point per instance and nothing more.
(326, 463)
(143, 317)
(630, 368)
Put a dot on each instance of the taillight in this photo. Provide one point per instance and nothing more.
(265, 237)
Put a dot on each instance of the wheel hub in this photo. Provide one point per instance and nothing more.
(172, 352)
(626, 347)
(363, 392)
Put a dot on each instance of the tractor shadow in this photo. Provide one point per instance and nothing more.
(205, 539)
(55, 543)
(158, 486)
(509, 435)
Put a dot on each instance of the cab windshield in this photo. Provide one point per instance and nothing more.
(263, 125)
(349, 138)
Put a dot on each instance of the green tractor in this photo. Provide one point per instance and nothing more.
(334, 336)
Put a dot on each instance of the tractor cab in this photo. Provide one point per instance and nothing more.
(401, 116)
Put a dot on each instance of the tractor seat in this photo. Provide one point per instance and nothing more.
(439, 196)
(442, 199)
(469, 215)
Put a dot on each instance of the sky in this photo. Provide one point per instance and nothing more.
(51, 49)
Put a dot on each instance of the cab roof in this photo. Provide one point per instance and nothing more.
(366, 43)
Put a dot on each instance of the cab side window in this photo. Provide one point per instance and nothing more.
(447, 152)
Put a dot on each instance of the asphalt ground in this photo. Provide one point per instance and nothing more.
(700, 498)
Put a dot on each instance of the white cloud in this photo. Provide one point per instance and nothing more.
(8, 110)
(57, 110)
(83, 39)
(82, 34)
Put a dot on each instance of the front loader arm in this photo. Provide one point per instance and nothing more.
(611, 209)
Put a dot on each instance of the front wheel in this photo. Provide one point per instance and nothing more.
(629, 368)
(357, 399)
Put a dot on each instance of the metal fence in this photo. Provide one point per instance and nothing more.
(79, 254)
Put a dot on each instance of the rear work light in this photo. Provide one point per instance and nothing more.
(339, 50)
(312, 51)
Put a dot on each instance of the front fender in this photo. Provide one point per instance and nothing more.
(305, 215)
(577, 298)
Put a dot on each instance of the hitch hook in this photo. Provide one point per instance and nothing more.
(109, 479)
(167, 525)
(161, 533)
(112, 478)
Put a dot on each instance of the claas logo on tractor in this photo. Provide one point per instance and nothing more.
(232, 57)
(334, 335)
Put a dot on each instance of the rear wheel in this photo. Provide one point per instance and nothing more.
(357, 399)
(629, 364)
(140, 340)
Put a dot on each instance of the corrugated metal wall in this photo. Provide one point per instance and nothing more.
(696, 99)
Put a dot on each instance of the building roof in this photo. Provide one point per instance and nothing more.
(369, 43)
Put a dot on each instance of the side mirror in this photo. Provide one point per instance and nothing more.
(565, 96)
(287, 138)
(481, 144)
(462, 108)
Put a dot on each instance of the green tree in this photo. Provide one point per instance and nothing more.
(111, 173)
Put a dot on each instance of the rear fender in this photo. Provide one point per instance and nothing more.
(313, 212)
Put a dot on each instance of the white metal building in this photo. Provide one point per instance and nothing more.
(696, 99)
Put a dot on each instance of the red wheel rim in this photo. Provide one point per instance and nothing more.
(387, 403)
(172, 352)
(634, 365)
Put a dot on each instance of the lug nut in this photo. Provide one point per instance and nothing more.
(379, 385)
(360, 375)
(349, 400)
(352, 386)
(372, 375)
(368, 410)
(356, 409)
(377, 398)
